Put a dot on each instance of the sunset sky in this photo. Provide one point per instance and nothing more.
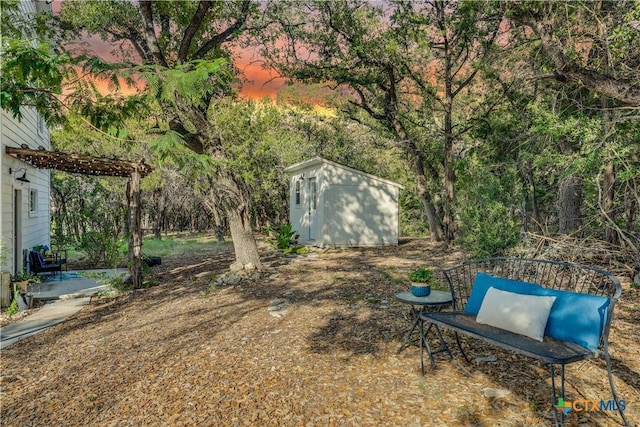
(259, 82)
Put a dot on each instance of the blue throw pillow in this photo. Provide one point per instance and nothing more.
(577, 318)
(484, 281)
(40, 259)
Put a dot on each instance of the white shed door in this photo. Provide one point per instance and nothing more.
(312, 201)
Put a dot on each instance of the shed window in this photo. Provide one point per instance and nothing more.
(298, 196)
(33, 201)
(41, 125)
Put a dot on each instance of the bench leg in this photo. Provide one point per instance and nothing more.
(460, 347)
(557, 400)
(613, 387)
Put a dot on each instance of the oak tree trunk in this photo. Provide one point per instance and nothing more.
(135, 235)
(569, 204)
(236, 204)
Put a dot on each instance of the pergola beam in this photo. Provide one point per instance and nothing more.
(74, 163)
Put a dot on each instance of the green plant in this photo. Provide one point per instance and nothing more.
(490, 224)
(13, 308)
(31, 278)
(101, 248)
(421, 275)
(297, 250)
(283, 236)
(115, 283)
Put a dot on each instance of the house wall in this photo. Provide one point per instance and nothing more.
(34, 218)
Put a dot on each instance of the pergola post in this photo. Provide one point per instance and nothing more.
(135, 232)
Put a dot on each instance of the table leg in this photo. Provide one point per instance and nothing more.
(417, 323)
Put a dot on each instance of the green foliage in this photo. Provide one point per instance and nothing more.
(282, 237)
(86, 203)
(101, 249)
(421, 275)
(31, 75)
(115, 282)
(295, 249)
(13, 307)
(31, 278)
(487, 207)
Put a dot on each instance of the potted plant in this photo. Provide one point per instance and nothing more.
(421, 280)
(21, 284)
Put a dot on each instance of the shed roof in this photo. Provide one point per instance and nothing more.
(317, 160)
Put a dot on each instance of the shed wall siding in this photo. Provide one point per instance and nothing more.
(361, 215)
(354, 209)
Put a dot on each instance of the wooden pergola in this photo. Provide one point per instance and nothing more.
(98, 166)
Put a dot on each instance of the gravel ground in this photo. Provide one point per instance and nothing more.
(309, 341)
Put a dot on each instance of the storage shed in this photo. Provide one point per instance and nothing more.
(335, 205)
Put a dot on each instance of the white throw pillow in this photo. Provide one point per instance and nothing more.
(522, 314)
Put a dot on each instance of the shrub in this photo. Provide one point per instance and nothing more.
(489, 209)
(101, 249)
(282, 237)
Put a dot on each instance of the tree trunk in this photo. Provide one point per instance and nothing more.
(236, 203)
(527, 173)
(425, 197)
(135, 235)
(244, 244)
(158, 199)
(569, 204)
(417, 163)
(608, 196)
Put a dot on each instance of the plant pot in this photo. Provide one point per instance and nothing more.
(22, 286)
(420, 289)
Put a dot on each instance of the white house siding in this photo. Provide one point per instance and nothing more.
(33, 226)
(354, 208)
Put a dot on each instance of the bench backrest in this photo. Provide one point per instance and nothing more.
(36, 262)
(563, 276)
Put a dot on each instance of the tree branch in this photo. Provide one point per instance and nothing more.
(567, 70)
(150, 34)
(225, 35)
(189, 33)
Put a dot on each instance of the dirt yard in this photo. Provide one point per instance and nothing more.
(310, 341)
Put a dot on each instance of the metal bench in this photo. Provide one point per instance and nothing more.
(544, 277)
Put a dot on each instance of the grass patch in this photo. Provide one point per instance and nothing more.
(175, 245)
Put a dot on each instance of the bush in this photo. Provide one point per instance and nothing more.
(282, 237)
(101, 249)
(489, 208)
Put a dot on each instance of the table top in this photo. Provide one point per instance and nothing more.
(434, 298)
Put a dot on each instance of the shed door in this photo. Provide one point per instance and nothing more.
(312, 202)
